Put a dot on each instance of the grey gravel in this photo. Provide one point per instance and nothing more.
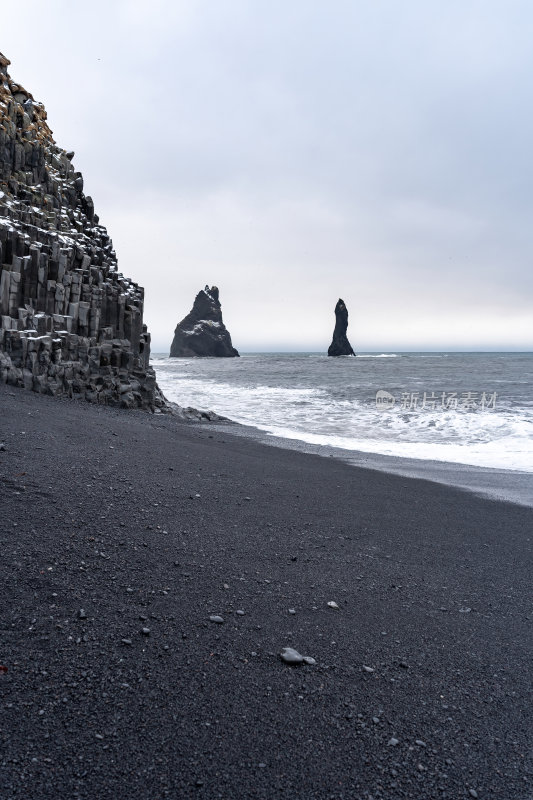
(206, 706)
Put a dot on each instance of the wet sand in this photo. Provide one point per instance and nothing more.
(507, 485)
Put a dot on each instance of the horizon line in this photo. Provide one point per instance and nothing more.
(154, 351)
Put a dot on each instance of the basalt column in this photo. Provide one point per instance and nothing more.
(70, 322)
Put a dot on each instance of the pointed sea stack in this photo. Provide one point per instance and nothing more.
(340, 346)
(70, 323)
(202, 333)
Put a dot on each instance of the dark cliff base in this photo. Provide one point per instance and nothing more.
(100, 512)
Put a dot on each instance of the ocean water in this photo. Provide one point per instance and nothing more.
(464, 408)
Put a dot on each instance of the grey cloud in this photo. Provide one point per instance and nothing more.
(378, 151)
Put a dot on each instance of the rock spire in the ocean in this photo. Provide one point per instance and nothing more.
(70, 323)
(340, 346)
(202, 332)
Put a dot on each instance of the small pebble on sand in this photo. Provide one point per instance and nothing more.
(291, 656)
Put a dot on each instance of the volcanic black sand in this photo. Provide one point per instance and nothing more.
(113, 522)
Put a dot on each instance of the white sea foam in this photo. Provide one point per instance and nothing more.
(380, 355)
(278, 396)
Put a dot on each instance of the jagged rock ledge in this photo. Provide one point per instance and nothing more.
(190, 414)
(70, 323)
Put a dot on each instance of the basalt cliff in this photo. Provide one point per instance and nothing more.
(70, 322)
(202, 332)
(340, 346)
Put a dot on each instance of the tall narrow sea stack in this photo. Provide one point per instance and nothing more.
(202, 333)
(70, 323)
(340, 346)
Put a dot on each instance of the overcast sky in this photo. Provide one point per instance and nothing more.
(295, 152)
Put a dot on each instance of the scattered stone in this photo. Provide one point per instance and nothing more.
(82, 614)
(309, 660)
(420, 743)
(291, 656)
(145, 631)
(126, 641)
(472, 793)
(368, 669)
(292, 611)
(240, 612)
(216, 618)
(333, 604)
(465, 610)
(393, 742)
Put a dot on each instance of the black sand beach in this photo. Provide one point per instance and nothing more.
(113, 522)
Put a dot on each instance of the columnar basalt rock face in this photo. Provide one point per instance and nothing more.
(70, 323)
(202, 332)
(340, 346)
